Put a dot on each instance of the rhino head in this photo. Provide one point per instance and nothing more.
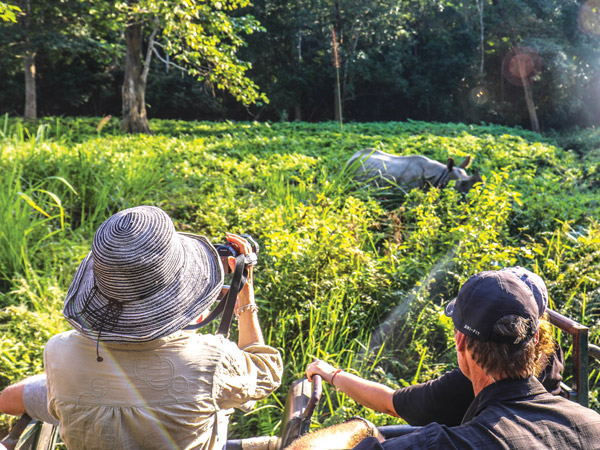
(464, 182)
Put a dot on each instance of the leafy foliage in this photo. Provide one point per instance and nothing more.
(204, 38)
(8, 13)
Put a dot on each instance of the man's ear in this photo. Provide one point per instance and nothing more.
(461, 341)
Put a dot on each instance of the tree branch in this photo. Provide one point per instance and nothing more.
(149, 51)
(203, 71)
(168, 63)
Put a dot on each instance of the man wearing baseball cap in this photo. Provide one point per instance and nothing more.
(445, 399)
(495, 316)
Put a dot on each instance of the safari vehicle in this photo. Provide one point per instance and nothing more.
(303, 398)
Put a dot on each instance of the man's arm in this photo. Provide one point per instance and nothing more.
(444, 399)
(11, 399)
(372, 395)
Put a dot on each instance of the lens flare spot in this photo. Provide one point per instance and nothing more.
(479, 95)
(589, 17)
(520, 64)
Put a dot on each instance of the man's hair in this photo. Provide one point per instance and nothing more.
(546, 345)
(507, 360)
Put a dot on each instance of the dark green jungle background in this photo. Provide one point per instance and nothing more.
(433, 60)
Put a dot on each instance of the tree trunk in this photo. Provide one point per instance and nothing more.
(481, 36)
(523, 74)
(30, 93)
(337, 101)
(297, 103)
(535, 125)
(337, 98)
(297, 111)
(29, 69)
(134, 83)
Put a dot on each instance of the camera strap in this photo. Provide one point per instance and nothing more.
(227, 303)
(237, 283)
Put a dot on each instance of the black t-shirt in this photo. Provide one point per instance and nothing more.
(446, 399)
(443, 400)
(551, 376)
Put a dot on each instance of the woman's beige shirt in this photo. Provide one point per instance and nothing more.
(172, 393)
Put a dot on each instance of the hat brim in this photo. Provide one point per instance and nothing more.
(193, 290)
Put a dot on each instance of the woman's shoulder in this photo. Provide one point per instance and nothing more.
(64, 337)
(194, 343)
(204, 339)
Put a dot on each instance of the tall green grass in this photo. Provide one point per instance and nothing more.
(341, 264)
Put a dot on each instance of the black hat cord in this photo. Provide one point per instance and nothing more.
(107, 314)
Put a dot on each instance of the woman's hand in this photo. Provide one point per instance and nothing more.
(245, 307)
(246, 295)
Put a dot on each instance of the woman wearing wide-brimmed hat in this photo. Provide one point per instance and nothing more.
(129, 376)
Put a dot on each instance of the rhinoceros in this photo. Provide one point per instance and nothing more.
(410, 171)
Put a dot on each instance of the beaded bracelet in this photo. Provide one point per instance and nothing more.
(249, 307)
(333, 374)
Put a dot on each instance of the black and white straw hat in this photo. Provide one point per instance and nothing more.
(142, 280)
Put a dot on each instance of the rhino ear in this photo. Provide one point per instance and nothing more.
(466, 163)
(450, 164)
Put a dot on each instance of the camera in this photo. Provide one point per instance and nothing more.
(228, 296)
(228, 249)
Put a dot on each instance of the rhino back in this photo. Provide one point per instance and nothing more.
(406, 170)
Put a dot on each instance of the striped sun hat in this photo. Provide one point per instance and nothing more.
(142, 280)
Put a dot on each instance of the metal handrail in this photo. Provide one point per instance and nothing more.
(580, 352)
(594, 351)
(317, 389)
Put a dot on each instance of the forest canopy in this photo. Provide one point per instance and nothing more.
(515, 62)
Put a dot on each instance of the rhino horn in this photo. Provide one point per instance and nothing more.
(466, 163)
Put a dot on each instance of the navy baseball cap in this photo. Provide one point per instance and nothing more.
(486, 297)
(535, 283)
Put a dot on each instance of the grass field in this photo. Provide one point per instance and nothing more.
(348, 274)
